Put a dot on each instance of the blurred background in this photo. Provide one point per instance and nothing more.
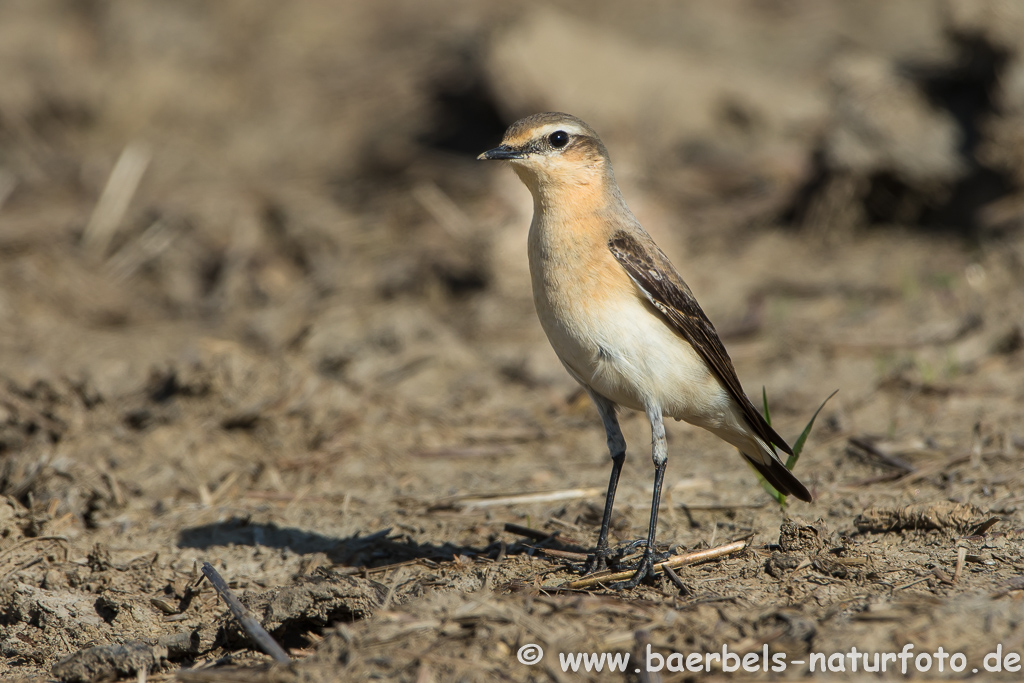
(246, 250)
(301, 179)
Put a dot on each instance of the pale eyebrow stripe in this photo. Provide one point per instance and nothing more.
(571, 128)
(546, 130)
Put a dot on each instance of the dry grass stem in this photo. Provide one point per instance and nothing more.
(673, 562)
(113, 202)
(527, 498)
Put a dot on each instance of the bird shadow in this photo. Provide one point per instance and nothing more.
(374, 549)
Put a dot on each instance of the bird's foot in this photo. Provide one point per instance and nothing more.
(627, 548)
(630, 546)
(644, 569)
(598, 560)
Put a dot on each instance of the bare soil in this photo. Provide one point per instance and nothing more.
(260, 307)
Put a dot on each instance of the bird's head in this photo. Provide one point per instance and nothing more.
(552, 151)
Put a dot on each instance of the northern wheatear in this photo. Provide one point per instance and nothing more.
(619, 316)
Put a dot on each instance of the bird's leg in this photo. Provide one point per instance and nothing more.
(617, 448)
(659, 453)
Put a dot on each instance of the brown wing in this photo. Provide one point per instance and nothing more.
(653, 273)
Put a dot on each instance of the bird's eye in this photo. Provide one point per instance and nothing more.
(559, 138)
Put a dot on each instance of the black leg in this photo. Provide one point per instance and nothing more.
(659, 453)
(617, 449)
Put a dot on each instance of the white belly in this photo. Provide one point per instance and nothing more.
(623, 350)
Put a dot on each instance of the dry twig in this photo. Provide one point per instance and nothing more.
(674, 561)
(867, 446)
(961, 556)
(252, 627)
(564, 555)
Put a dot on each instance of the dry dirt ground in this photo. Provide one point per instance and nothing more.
(259, 307)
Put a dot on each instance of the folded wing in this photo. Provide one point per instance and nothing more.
(655, 276)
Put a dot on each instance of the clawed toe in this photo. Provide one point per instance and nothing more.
(598, 561)
(644, 569)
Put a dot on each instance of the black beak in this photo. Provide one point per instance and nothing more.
(504, 152)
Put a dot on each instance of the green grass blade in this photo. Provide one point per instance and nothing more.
(798, 447)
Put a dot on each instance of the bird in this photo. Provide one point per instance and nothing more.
(621, 319)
